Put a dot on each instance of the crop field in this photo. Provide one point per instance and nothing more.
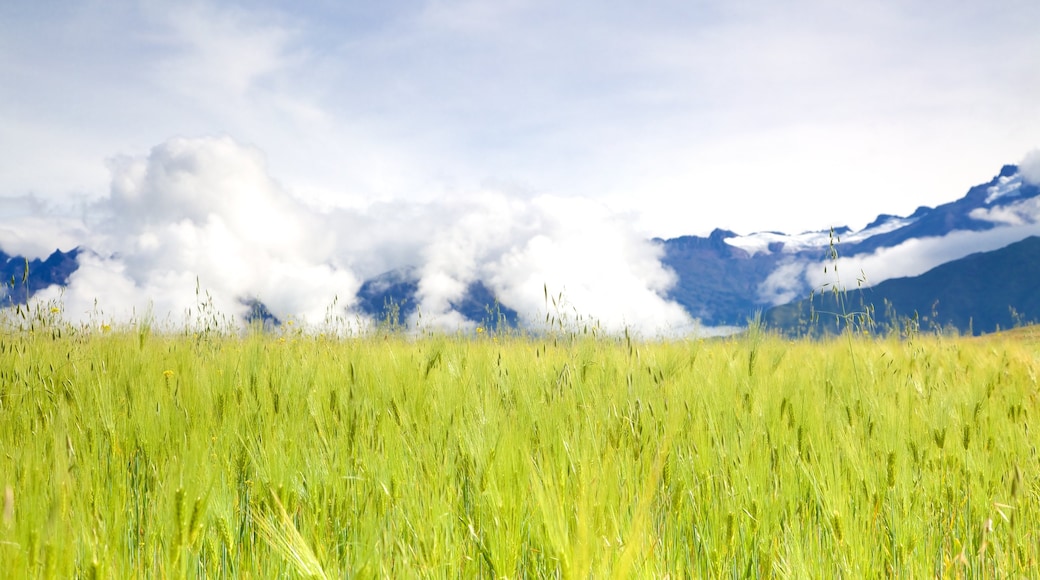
(130, 452)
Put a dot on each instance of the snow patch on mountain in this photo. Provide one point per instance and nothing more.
(775, 242)
(771, 242)
(891, 224)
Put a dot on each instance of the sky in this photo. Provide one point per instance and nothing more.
(415, 120)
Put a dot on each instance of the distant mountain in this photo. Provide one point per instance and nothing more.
(717, 281)
(389, 297)
(980, 293)
(724, 278)
(22, 278)
(1007, 189)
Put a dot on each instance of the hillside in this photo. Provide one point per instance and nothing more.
(980, 293)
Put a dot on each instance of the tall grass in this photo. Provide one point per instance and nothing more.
(137, 453)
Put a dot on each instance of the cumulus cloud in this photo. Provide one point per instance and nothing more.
(205, 215)
(573, 248)
(1029, 167)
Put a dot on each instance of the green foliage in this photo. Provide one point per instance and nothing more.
(139, 453)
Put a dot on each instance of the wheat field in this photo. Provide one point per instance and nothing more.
(131, 452)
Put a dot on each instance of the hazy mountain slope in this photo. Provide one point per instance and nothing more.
(716, 282)
(979, 293)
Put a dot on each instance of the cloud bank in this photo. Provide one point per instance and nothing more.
(202, 219)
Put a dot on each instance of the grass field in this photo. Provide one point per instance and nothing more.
(133, 453)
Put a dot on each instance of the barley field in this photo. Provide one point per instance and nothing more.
(134, 453)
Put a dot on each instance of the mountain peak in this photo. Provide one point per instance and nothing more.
(719, 234)
(882, 219)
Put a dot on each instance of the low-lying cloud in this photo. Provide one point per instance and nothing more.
(913, 257)
(201, 219)
(203, 215)
(572, 248)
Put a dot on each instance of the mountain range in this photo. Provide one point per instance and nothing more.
(724, 278)
(972, 264)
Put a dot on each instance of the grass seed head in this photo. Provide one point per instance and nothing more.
(9, 506)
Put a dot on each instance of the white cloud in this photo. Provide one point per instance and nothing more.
(784, 284)
(605, 272)
(516, 245)
(203, 214)
(1029, 167)
(602, 268)
(1024, 212)
(219, 54)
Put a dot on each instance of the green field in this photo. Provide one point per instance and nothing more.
(133, 453)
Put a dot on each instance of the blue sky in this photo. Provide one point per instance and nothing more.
(747, 115)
